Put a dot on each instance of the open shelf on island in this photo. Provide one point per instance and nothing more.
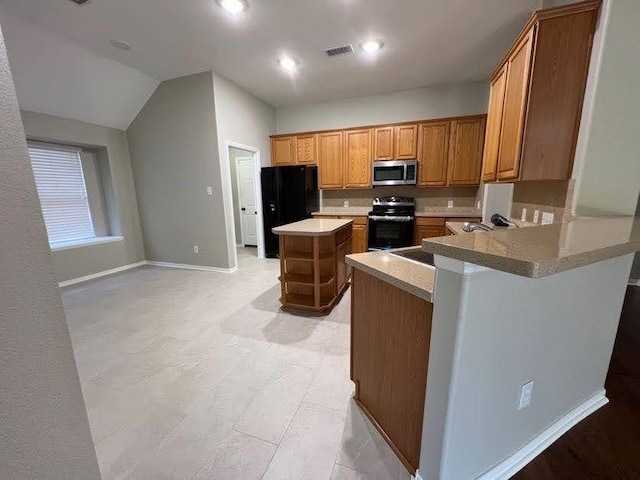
(307, 279)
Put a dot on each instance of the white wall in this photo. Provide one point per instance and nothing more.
(59, 78)
(246, 120)
(122, 205)
(420, 104)
(607, 166)
(558, 331)
(44, 429)
(174, 154)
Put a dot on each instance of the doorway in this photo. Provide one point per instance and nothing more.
(242, 166)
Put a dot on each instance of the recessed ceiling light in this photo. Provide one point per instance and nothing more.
(371, 46)
(120, 45)
(233, 6)
(288, 63)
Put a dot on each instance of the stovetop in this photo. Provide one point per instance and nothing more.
(391, 206)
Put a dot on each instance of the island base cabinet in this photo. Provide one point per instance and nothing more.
(390, 335)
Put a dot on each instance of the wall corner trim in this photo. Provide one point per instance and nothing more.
(417, 476)
(509, 467)
(104, 273)
(192, 267)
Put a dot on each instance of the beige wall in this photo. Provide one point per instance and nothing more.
(121, 203)
(44, 429)
(174, 154)
(419, 104)
(607, 165)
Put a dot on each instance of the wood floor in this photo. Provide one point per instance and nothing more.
(607, 444)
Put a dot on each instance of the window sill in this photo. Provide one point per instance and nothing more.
(56, 247)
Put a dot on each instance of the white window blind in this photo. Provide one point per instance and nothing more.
(60, 182)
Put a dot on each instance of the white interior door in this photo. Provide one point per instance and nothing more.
(247, 198)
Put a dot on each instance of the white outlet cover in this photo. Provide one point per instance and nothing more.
(209, 190)
(196, 249)
(345, 203)
(536, 216)
(547, 218)
(450, 204)
(526, 391)
(524, 215)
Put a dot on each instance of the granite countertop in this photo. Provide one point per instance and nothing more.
(456, 227)
(426, 212)
(545, 249)
(408, 275)
(312, 227)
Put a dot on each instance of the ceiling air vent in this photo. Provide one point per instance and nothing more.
(80, 2)
(332, 52)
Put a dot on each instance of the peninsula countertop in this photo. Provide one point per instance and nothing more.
(408, 275)
(312, 227)
(543, 250)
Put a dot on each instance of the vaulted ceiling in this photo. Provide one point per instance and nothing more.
(426, 42)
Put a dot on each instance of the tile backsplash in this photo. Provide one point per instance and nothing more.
(545, 196)
(425, 197)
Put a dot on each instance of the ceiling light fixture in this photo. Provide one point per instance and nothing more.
(371, 46)
(120, 45)
(233, 6)
(288, 63)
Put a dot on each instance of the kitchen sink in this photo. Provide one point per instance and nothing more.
(416, 254)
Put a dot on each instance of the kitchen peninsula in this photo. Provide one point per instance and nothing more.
(313, 272)
(509, 333)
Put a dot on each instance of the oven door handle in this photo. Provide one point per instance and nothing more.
(382, 218)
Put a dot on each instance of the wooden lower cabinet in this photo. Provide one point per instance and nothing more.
(428, 227)
(360, 243)
(390, 339)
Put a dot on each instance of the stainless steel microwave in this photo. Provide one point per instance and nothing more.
(403, 172)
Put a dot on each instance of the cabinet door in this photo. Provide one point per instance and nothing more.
(494, 127)
(406, 142)
(360, 239)
(465, 151)
(433, 153)
(330, 164)
(306, 150)
(282, 151)
(341, 267)
(426, 231)
(357, 158)
(383, 143)
(515, 105)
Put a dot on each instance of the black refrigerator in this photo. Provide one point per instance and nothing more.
(289, 194)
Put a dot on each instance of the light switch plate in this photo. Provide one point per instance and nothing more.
(196, 249)
(547, 218)
(209, 190)
(525, 395)
(536, 216)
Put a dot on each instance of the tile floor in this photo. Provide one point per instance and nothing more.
(190, 374)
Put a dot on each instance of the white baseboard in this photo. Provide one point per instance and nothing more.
(104, 273)
(535, 447)
(192, 267)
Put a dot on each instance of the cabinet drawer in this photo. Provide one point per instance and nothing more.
(430, 221)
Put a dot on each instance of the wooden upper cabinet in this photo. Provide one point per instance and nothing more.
(283, 151)
(433, 153)
(494, 126)
(383, 143)
(515, 104)
(357, 158)
(306, 149)
(406, 142)
(465, 151)
(330, 160)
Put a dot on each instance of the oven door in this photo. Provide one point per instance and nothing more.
(390, 232)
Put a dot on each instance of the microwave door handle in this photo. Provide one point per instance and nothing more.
(404, 177)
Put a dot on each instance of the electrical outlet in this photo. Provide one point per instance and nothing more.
(478, 205)
(536, 216)
(345, 203)
(209, 190)
(547, 218)
(196, 249)
(525, 395)
(450, 204)
(524, 215)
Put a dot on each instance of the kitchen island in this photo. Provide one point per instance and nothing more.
(313, 272)
(513, 330)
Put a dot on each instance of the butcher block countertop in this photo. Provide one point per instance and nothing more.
(543, 250)
(312, 227)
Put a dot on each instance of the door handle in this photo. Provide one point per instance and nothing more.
(243, 209)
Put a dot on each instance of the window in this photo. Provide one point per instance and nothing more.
(63, 195)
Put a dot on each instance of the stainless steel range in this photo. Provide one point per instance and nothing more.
(391, 223)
